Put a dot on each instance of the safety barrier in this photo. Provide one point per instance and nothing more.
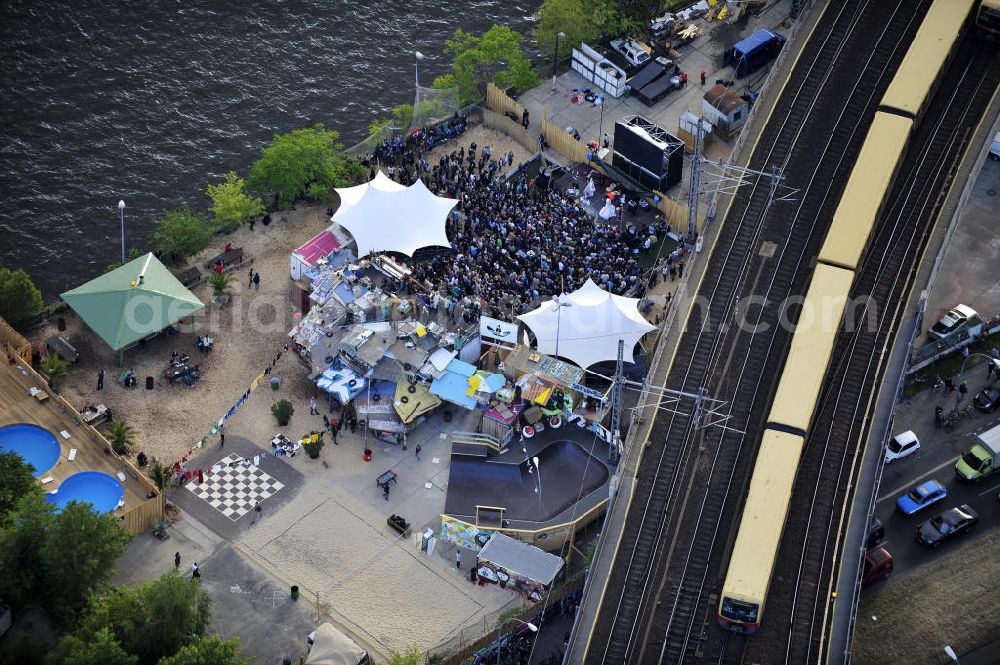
(13, 343)
(476, 439)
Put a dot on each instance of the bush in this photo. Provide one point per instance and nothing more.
(221, 283)
(121, 437)
(282, 412)
(313, 447)
(55, 368)
(20, 299)
(495, 56)
(181, 233)
(158, 474)
(230, 202)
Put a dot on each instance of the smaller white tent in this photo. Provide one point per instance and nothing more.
(332, 647)
(584, 326)
(388, 217)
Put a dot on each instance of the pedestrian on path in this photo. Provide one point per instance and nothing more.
(703, 78)
(385, 491)
(417, 449)
(100, 379)
(680, 270)
(222, 435)
(673, 273)
(194, 570)
(313, 406)
(458, 559)
(256, 515)
(250, 283)
(177, 560)
(333, 434)
(256, 281)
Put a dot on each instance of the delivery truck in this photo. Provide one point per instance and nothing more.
(982, 458)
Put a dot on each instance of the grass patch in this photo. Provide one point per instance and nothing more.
(949, 366)
(950, 600)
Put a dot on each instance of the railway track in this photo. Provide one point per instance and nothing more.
(656, 607)
(798, 616)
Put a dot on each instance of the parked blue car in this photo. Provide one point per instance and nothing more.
(921, 496)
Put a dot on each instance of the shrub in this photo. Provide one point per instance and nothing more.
(20, 299)
(282, 411)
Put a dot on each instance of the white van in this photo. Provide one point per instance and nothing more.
(329, 646)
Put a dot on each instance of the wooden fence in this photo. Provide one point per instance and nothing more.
(499, 102)
(498, 122)
(14, 345)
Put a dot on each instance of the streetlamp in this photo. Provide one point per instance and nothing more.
(532, 627)
(121, 210)
(961, 373)
(951, 653)
(557, 305)
(555, 59)
(538, 474)
(418, 56)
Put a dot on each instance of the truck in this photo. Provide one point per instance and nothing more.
(982, 458)
(753, 52)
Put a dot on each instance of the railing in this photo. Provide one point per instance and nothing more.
(500, 123)
(476, 439)
(930, 353)
(13, 343)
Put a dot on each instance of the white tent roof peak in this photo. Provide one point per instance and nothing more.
(588, 323)
(388, 217)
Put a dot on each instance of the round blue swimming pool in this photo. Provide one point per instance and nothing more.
(100, 490)
(36, 445)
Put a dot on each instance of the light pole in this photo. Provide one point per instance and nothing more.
(557, 305)
(951, 653)
(532, 627)
(961, 373)
(555, 59)
(417, 57)
(121, 211)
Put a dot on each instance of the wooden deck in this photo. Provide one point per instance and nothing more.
(17, 406)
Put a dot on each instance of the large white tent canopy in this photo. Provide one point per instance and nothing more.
(388, 217)
(584, 326)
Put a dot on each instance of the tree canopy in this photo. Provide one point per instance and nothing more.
(230, 202)
(304, 162)
(154, 619)
(182, 232)
(635, 15)
(579, 20)
(16, 480)
(495, 56)
(55, 559)
(20, 299)
(208, 651)
(100, 649)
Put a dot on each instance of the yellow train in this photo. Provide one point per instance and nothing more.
(751, 564)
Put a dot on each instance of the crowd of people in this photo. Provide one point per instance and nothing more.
(515, 240)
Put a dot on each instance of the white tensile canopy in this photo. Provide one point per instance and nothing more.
(387, 217)
(587, 324)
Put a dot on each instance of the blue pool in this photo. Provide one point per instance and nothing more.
(34, 444)
(99, 489)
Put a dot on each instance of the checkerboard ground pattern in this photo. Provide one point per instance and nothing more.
(235, 490)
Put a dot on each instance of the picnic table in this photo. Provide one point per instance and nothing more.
(386, 478)
(229, 260)
(94, 414)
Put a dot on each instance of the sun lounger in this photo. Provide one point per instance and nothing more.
(46, 480)
(64, 434)
(72, 454)
(121, 476)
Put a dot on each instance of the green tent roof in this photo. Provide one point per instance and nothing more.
(132, 302)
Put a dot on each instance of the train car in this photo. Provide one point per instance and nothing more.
(927, 57)
(812, 346)
(865, 191)
(752, 562)
(988, 19)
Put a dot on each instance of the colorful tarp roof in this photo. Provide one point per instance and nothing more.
(132, 302)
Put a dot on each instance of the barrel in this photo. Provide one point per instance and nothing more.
(149, 383)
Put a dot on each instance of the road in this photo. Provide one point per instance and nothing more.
(939, 449)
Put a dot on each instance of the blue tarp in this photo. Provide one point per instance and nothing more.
(754, 41)
(453, 384)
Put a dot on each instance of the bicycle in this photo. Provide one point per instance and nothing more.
(938, 386)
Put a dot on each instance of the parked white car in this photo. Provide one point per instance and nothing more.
(631, 51)
(957, 317)
(901, 445)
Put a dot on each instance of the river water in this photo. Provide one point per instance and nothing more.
(150, 101)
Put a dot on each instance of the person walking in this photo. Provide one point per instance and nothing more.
(607, 140)
(177, 560)
(222, 435)
(326, 423)
(257, 510)
(418, 449)
(673, 273)
(256, 281)
(100, 379)
(194, 570)
(703, 78)
(680, 269)
(313, 406)
(250, 283)
(334, 428)
(458, 559)
(385, 491)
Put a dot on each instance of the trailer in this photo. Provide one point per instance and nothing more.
(753, 52)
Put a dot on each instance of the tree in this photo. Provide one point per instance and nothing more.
(16, 480)
(158, 474)
(20, 299)
(208, 651)
(100, 649)
(152, 620)
(121, 436)
(22, 537)
(495, 56)
(635, 15)
(54, 367)
(411, 656)
(579, 20)
(77, 557)
(221, 283)
(304, 162)
(231, 203)
(181, 232)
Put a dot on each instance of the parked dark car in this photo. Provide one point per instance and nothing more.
(876, 533)
(988, 399)
(945, 525)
